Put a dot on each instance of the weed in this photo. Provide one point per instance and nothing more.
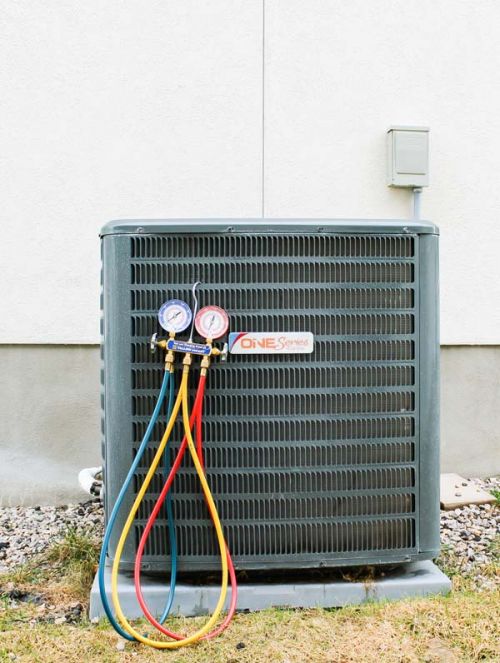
(494, 550)
(449, 561)
(65, 571)
(25, 574)
(76, 556)
(496, 495)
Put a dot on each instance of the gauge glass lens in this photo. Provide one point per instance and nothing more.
(175, 316)
(211, 322)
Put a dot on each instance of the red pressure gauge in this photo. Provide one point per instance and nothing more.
(211, 322)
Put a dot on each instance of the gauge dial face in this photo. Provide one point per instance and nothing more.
(211, 322)
(175, 316)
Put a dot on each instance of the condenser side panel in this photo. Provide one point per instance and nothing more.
(118, 449)
(429, 395)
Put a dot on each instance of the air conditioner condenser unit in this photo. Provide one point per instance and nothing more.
(315, 460)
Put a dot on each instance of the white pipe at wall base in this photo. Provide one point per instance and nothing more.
(417, 195)
(88, 481)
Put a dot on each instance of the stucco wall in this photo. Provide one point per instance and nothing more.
(470, 413)
(194, 108)
(50, 422)
(243, 108)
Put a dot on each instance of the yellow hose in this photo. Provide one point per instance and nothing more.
(182, 398)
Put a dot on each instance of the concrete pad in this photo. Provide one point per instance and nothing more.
(456, 491)
(410, 580)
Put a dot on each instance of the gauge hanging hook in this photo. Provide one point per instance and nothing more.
(195, 310)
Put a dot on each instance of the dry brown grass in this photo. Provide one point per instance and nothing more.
(461, 627)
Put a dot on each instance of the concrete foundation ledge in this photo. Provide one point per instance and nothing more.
(412, 580)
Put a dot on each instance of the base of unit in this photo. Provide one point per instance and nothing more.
(415, 579)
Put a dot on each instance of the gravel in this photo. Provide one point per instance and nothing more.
(468, 533)
(28, 531)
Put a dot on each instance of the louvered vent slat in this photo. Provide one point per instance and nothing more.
(307, 455)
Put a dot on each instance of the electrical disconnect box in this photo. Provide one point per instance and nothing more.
(408, 156)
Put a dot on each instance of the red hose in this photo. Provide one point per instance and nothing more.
(196, 417)
(232, 574)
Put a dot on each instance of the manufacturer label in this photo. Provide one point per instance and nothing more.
(270, 343)
(185, 346)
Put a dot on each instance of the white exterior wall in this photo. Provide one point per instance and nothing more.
(155, 109)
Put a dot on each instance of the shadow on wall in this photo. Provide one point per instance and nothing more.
(470, 410)
(50, 411)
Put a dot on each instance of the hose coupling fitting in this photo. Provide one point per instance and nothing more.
(155, 343)
(205, 363)
(220, 353)
(169, 360)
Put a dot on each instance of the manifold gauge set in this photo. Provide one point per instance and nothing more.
(211, 322)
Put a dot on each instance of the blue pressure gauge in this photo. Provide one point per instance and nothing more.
(175, 316)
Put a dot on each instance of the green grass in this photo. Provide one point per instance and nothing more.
(496, 495)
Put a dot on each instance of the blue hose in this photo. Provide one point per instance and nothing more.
(117, 506)
(170, 519)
